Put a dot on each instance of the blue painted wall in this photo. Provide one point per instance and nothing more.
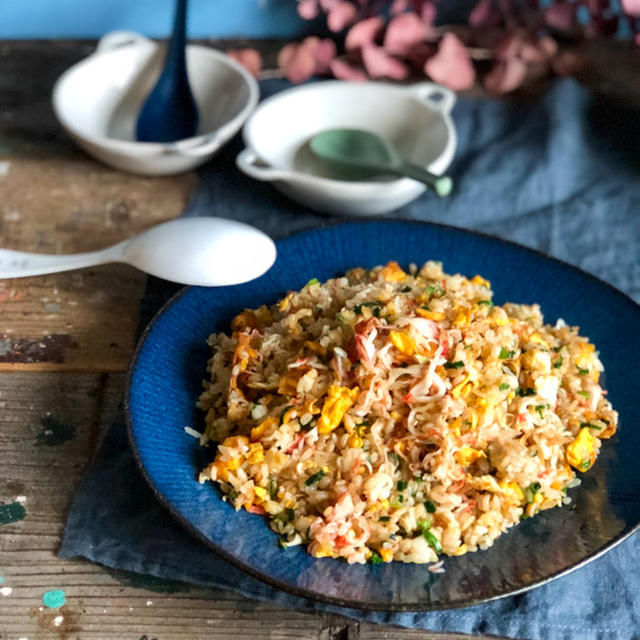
(93, 18)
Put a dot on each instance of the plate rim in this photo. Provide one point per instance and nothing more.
(301, 592)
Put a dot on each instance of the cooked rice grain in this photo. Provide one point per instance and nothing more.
(388, 415)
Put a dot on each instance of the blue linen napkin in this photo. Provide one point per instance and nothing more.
(560, 174)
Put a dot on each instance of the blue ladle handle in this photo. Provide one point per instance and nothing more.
(170, 112)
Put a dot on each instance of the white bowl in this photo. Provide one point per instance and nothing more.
(415, 119)
(98, 100)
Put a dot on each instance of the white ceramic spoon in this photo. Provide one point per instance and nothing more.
(199, 251)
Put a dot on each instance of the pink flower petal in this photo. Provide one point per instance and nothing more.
(451, 66)
(327, 5)
(250, 59)
(323, 51)
(308, 9)
(398, 6)
(631, 7)
(344, 71)
(505, 76)
(297, 61)
(428, 12)
(363, 33)
(484, 14)
(404, 32)
(380, 64)
(340, 16)
(561, 16)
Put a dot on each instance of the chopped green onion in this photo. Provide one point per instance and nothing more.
(273, 489)
(525, 392)
(487, 302)
(586, 394)
(540, 408)
(582, 372)
(405, 289)
(504, 386)
(384, 518)
(281, 543)
(504, 354)
(233, 494)
(435, 290)
(340, 318)
(423, 525)
(312, 282)
(531, 491)
(558, 363)
(283, 412)
(316, 477)
(432, 540)
(400, 498)
(430, 507)
(375, 303)
(401, 485)
(396, 459)
(375, 558)
(468, 346)
(590, 425)
(584, 465)
(454, 365)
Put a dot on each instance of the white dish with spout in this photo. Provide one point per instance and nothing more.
(98, 100)
(414, 119)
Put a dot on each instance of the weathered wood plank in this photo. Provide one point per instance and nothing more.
(83, 320)
(50, 424)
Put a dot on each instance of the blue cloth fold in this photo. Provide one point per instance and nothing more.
(558, 174)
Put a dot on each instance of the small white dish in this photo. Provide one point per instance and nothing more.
(98, 100)
(415, 120)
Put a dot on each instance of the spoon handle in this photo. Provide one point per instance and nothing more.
(21, 264)
(442, 185)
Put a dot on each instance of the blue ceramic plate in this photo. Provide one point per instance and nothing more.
(165, 382)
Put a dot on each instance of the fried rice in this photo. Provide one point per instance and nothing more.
(391, 415)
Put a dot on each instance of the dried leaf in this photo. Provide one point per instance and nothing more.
(506, 76)
(631, 7)
(484, 14)
(250, 59)
(302, 60)
(340, 16)
(308, 9)
(561, 15)
(398, 6)
(323, 51)
(363, 33)
(428, 12)
(297, 62)
(379, 64)
(451, 66)
(344, 71)
(403, 33)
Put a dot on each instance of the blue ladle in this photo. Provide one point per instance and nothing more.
(169, 112)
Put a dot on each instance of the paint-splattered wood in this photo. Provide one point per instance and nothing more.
(50, 425)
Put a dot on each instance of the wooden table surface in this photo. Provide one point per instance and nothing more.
(65, 344)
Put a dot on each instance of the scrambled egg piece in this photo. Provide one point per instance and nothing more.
(479, 280)
(339, 401)
(402, 342)
(265, 426)
(468, 455)
(436, 316)
(392, 272)
(581, 453)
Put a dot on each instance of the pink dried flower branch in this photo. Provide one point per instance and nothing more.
(397, 39)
